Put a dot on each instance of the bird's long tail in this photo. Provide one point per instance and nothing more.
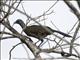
(64, 34)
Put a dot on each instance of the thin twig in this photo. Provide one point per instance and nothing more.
(12, 50)
(76, 12)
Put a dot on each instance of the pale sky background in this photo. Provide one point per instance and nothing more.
(62, 18)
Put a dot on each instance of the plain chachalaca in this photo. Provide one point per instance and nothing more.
(38, 31)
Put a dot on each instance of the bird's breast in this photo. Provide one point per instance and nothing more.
(36, 32)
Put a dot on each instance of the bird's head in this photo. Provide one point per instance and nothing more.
(20, 22)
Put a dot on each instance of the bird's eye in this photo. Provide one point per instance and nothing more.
(42, 33)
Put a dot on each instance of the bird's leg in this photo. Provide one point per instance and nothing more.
(41, 42)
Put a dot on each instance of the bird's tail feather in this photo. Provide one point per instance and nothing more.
(64, 34)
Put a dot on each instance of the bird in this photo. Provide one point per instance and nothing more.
(38, 31)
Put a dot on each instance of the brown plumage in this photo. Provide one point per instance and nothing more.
(38, 31)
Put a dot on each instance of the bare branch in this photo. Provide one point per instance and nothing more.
(12, 50)
(75, 11)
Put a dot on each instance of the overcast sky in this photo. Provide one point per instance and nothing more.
(62, 17)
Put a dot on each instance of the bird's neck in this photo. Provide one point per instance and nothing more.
(22, 24)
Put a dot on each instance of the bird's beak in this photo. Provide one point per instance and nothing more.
(14, 23)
